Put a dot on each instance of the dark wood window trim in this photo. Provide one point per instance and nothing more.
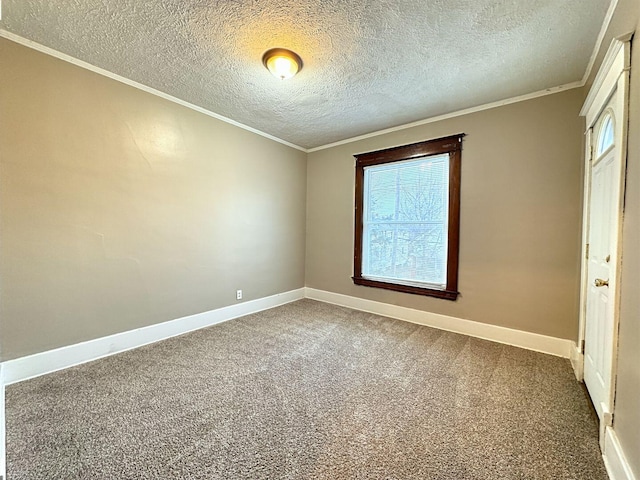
(451, 145)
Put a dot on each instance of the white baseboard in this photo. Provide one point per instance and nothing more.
(52, 360)
(615, 460)
(518, 338)
(577, 362)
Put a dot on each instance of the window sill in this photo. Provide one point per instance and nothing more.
(428, 292)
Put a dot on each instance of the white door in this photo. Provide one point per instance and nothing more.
(601, 261)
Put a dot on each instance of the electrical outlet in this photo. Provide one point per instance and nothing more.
(238, 294)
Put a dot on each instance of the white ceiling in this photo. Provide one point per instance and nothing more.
(368, 65)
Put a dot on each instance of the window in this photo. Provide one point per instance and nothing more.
(605, 137)
(408, 218)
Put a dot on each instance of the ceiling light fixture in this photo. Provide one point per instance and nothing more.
(282, 63)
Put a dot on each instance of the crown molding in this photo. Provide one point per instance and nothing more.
(101, 71)
(458, 113)
(487, 106)
(596, 48)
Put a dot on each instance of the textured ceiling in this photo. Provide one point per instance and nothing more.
(368, 65)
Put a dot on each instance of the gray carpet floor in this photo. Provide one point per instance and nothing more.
(307, 391)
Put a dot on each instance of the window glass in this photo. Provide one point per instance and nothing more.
(406, 220)
(606, 135)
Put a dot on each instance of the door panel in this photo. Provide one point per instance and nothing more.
(599, 327)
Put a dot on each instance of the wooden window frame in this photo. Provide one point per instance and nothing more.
(451, 145)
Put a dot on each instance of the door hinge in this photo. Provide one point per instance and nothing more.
(582, 346)
(586, 252)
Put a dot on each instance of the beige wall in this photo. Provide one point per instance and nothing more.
(627, 402)
(520, 216)
(121, 209)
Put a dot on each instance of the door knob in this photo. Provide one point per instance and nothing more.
(601, 283)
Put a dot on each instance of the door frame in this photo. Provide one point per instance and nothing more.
(613, 76)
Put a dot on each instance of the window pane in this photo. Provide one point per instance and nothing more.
(380, 184)
(405, 220)
(605, 138)
(415, 253)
